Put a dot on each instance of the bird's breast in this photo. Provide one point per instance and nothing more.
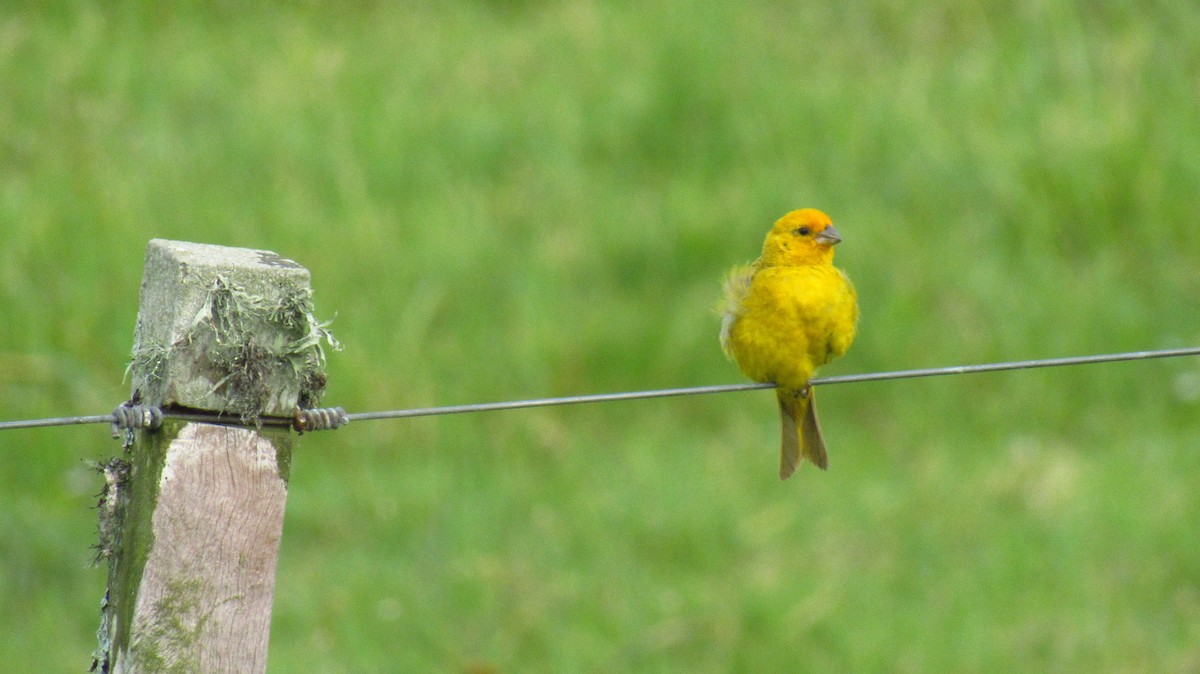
(793, 320)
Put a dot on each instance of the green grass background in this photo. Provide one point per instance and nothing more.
(503, 200)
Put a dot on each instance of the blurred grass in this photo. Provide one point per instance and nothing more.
(503, 200)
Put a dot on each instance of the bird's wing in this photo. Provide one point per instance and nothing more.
(737, 286)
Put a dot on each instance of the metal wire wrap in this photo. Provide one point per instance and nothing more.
(128, 417)
(319, 419)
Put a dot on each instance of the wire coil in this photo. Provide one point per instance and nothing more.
(127, 417)
(319, 419)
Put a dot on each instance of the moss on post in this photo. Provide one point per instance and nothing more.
(227, 329)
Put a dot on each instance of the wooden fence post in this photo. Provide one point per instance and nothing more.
(192, 516)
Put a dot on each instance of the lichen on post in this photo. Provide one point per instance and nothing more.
(198, 508)
(228, 330)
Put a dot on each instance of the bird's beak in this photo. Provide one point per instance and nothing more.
(829, 236)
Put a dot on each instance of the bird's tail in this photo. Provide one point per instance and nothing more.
(801, 435)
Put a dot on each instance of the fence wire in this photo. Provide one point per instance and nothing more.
(637, 395)
(815, 381)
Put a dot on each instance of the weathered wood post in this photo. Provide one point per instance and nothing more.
(191, 519)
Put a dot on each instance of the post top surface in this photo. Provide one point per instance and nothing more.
(207, 254)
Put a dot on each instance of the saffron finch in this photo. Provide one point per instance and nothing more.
(786, 315)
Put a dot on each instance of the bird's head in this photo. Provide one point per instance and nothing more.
(806, 236)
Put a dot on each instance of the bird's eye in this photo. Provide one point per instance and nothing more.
(801, 231)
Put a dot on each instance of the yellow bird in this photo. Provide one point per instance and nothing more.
(786, 315)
